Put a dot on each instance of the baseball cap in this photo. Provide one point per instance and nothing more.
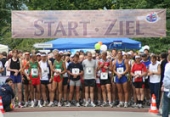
(43, 54)
(137, 56)
(143, 55)
(38, 54)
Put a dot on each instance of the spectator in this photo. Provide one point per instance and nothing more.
(3, 60)
(7, 94)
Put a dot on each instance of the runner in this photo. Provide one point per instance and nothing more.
(121, 68)
(75, 70)
(34, 77)
(89, 66)
(105, 81)
(147, 62)
(15, 69)
(138, 72)
(65, 80)
(46, 77)
(25, 73)
(155, 78)
(59, 68)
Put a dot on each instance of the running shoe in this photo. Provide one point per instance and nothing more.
(40, 106)
(111, 105)
(92, 104)
(134, 105)
(32, 104)
(86, 104)
(44, 104)
(125, 105)
(26, 104)
(50, 104)
(20, 106)
(120, 105)
(77, 104)
(104, 104)
(68, 104)
(59, 104)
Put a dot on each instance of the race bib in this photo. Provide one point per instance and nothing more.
(58, 70)
(75, 71)
(89, 70)
(138, 72)
(45, 71)
(34, 72)
(104, 76)
(26, 71)
(120, 70)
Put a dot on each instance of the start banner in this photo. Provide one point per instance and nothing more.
(89, 23)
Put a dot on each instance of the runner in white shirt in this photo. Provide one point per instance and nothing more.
(155, 78)
(46, 77)
(89, 67)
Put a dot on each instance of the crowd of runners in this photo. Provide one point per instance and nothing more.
(115, 78)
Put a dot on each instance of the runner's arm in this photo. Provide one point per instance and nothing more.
(64, 66)
(127, 67)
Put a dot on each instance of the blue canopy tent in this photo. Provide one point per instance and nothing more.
(88, 43)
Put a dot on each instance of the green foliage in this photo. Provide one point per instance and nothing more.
(157, 44)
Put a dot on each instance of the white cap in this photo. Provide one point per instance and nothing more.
(137, 56)
(72, 56)
(43, 55)
(38, 54)
(61, 52)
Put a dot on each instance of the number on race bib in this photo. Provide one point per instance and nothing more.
(89, 70)
(138, 72)
(34, 72)
(120, 70)
(26, 71)
(75, 71)
(104, 76)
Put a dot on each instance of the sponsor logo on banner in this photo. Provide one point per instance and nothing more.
(89, 23)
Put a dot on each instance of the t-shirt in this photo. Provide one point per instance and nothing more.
(89, 69)
(75, 68)
(138, 69)
(154, 78)
(1, 66)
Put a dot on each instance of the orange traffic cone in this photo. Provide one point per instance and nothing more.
(1, 105)
(153, 108)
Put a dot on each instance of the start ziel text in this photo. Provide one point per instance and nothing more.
(114, 27)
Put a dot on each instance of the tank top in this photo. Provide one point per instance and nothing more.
(24, 65)
(154, 78)
(33, 70)
(46, 71)
(104, 73)
(15, 65)
(59, 67)
(120, 68)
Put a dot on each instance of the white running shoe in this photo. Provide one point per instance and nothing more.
(104, 104)
(93, 105)
(77, 104)
(86, 104)
(40, 106)
(44, 104)
(120, 105)
(111, 105)
(59, 104)
(68, 104)
(26, 104)
(20, 106)
(125, 105)
(50, 104)
(32, 104)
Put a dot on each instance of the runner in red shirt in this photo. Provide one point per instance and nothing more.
(138, 72)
